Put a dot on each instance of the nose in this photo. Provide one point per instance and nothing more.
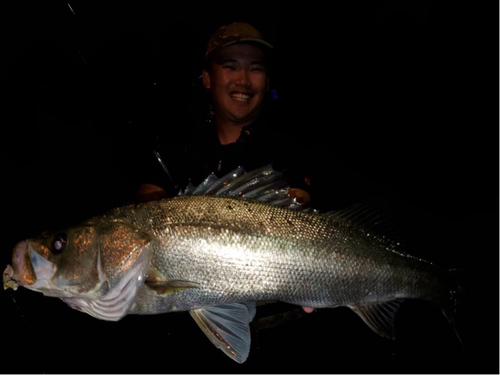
(243, 78)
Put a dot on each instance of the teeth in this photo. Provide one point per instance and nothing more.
(241, 96)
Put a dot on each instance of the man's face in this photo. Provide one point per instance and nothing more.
(238, 83)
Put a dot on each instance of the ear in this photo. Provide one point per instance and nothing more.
(205, 76)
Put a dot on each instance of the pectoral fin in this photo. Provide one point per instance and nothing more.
(156, 281)
(380, 316)
(227, 326)
(170, 286)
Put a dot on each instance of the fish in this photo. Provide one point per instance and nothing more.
(217, 249)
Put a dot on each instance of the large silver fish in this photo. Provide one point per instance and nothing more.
(218, 249)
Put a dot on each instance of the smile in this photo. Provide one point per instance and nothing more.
(241, 96)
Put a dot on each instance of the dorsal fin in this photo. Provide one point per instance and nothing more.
(263, 185)
(369, 217)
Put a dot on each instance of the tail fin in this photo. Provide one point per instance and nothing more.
(456, 293)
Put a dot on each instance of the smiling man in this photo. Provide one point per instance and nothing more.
(236, 132)
(237, 77)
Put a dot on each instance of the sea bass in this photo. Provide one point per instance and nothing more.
(217, 249)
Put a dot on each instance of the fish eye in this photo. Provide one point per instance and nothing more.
(59, 243)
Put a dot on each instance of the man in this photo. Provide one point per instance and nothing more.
(236, 74)
(237, 78)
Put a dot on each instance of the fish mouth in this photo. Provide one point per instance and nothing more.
(241, 96)
(29, 269)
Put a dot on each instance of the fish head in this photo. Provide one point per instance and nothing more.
(59, 264)
(83, 262)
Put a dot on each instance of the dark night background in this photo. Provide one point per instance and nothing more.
(394, 100)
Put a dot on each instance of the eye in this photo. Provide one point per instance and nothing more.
(59, 243)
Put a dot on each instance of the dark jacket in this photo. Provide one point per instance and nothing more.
(202, 154)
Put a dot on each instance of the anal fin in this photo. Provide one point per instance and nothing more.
(380, 317)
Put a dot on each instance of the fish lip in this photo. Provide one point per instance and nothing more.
(23, 274)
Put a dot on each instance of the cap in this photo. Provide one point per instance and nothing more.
(236, 32)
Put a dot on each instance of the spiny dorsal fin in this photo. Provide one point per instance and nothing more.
(380, 317)
(263, 185)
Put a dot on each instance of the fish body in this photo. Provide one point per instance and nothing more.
(240, 251)
(215, 255)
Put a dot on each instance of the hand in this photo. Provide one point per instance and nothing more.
(149, 192)
(302, 196)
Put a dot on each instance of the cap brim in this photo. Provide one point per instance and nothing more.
(259, 42)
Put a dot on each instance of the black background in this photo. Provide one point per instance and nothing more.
(398, 99)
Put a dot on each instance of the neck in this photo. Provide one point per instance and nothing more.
(227, 131)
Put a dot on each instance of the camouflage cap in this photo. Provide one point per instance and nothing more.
(236, 32)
